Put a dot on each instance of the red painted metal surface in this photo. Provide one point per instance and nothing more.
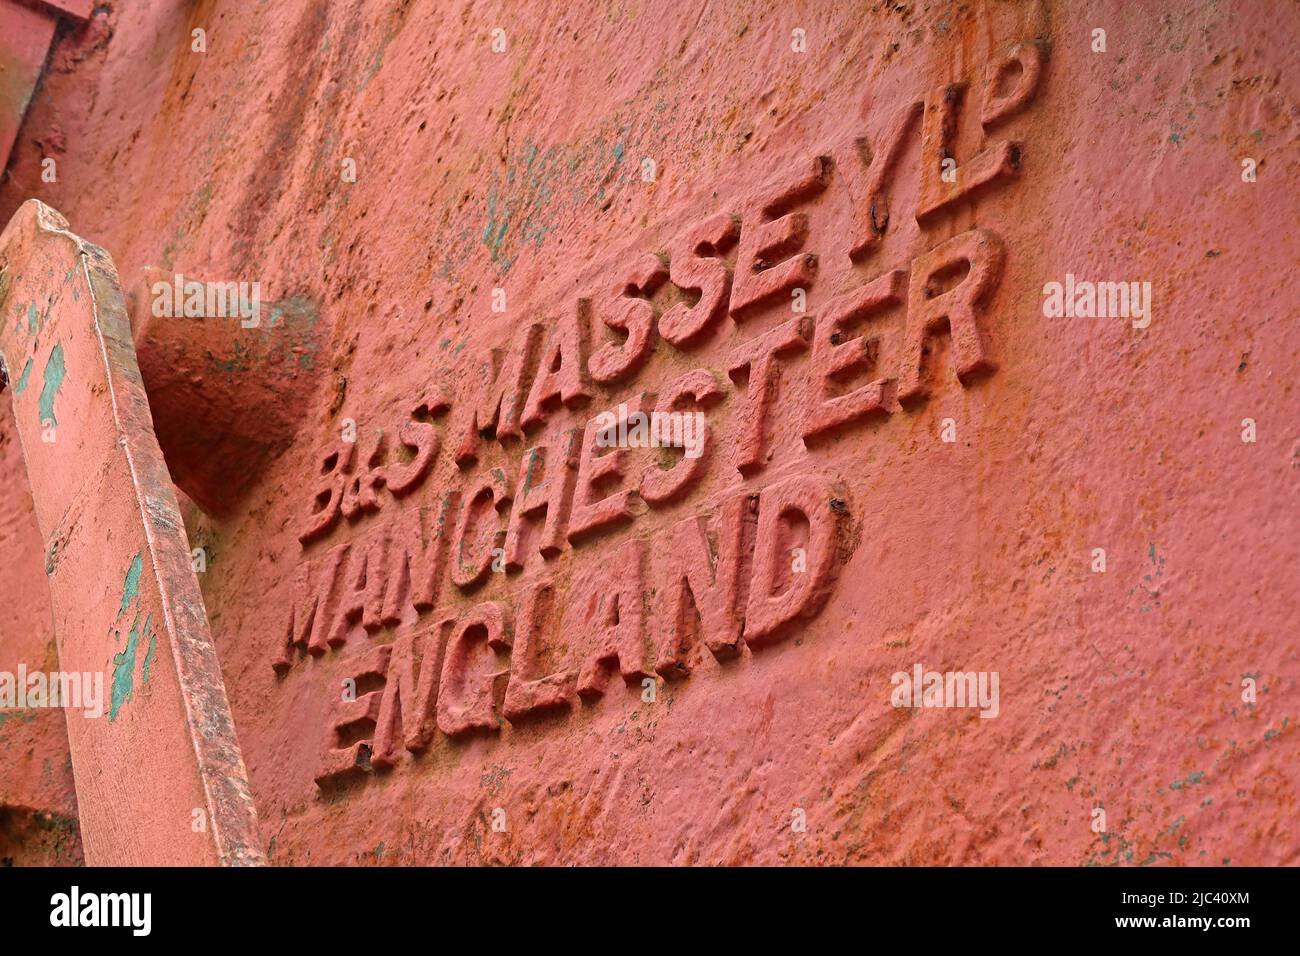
(76, 9)
(227, 395)
(835, 231)
(25, 34)
(26, 30)
(159, 775)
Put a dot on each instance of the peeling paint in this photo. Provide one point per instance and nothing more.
(54, 372)
(124, 671)
(131, 586)
(21, 385)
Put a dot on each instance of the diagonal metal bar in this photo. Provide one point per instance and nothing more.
(160, 778)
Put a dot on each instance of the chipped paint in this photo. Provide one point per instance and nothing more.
(131, 586)
(123, 689)
(53, 381)
(21, 385)
(124, 671)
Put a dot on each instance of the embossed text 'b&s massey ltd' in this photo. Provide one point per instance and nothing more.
(536, 480)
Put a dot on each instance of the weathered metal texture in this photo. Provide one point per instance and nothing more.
(26, 30)
(29, 737)
(227, 394)
(38, 801)
(521, 168)
(25, 34)
(159, 776)
(38, 804)
(75, 9)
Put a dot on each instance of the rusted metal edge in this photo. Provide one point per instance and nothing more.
(77, 9)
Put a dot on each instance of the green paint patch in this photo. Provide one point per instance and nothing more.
(131, 587)
(533, 459)
(124, 672)
(1119, 854)
(123, 687)
(1050, 764)
(519, 204)
(54, 373)
(21, 385)
(32, 316)
(286, 336)
(1191, 779)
